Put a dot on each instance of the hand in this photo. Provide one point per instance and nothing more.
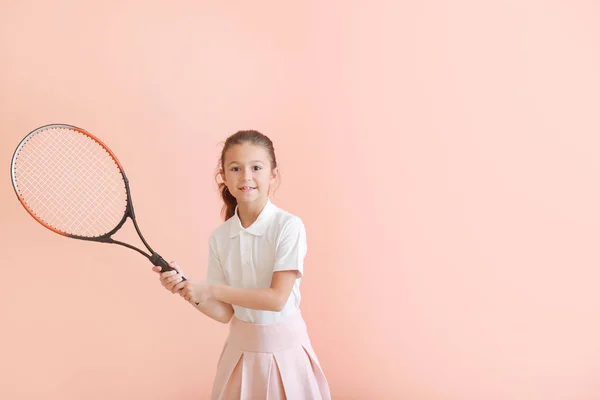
(196, 292)
(171, 280)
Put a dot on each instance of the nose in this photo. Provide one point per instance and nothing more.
(247, 174)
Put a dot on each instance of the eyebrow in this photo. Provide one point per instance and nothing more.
(253, 161)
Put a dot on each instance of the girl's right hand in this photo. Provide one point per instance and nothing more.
(171, 280)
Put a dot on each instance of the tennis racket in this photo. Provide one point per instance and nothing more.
(73, 184)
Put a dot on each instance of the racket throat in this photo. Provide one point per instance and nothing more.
(157, 260)
(108, 239)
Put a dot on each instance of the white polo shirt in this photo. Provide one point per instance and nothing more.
(247, 258)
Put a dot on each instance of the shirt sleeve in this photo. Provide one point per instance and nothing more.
(214, 272)
(291, 247)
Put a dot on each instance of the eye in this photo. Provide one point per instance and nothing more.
(257, 168)
(235, 169)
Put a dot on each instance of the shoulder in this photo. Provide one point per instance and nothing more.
(283, 217)
(221, 232)
(286, 222)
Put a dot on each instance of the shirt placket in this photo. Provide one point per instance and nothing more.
(246, 254)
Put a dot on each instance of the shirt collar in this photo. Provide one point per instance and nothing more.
(258, 227)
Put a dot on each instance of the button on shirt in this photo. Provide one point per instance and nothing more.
(247, 257)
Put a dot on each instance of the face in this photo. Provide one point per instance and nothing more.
(247, 172)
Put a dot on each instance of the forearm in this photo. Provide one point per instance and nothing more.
(217, 310)
(266, 299)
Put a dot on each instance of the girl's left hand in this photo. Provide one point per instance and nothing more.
(196, 292)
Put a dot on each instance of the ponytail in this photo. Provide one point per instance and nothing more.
(229, 201)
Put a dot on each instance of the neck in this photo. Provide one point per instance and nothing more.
(248, 212)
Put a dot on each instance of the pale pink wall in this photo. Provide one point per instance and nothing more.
(451, 147)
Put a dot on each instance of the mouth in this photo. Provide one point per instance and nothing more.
(246, 189)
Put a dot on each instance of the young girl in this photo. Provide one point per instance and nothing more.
(255, 265)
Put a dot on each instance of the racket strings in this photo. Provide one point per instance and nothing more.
(70, 182)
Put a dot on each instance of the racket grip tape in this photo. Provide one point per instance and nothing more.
(157, 260)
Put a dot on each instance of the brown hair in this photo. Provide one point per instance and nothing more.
(254, 137)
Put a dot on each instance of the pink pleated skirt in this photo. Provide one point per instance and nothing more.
(269, 362)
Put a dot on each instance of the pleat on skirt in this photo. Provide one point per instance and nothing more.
(269, 362)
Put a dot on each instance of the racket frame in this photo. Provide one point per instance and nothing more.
(154, 257)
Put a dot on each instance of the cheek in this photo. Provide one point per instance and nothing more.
(228, 176)
(264, 178)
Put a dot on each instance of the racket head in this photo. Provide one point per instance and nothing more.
(71, 182)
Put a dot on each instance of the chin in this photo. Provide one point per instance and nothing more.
(247, 199)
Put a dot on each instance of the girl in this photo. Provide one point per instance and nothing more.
(255, 265)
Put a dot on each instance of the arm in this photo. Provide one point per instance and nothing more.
(216, 310)
(272, 298)
(213, 308)
(171, 280)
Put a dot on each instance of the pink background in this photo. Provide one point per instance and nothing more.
(443, 155)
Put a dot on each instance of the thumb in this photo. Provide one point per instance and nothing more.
(157, 269)
(174, 265)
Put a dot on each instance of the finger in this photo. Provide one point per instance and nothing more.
(170, 285)
(175, 289)
(174, 279)
(165, 284)
(170, 280)
(172, 289)
(157, 269)
(168, 274)
(183, 286)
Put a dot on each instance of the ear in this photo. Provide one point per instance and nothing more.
(274, 174)
(222, 177)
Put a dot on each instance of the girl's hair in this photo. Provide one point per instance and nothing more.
(253, 137)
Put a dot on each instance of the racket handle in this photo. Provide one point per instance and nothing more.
(157, 260)
(160, 262)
